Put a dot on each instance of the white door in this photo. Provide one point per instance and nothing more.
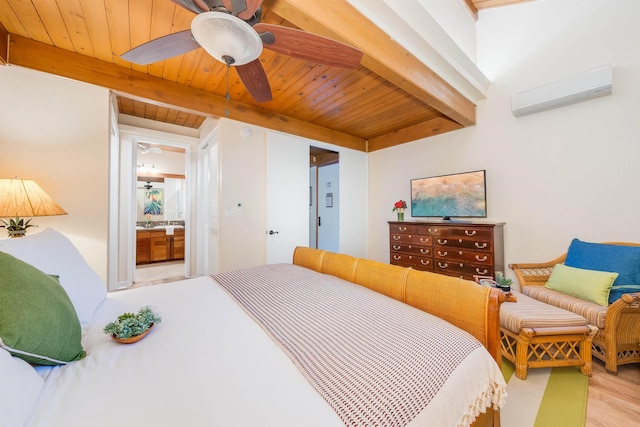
(329, 208)
(287, 196)
(207, 220)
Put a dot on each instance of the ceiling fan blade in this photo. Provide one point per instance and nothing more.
(251, 6)
(195, 6)
(162, 48)
(255, 80)
(310, 47)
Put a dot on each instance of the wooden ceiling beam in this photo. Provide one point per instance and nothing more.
(485, 4)
(472, 8)
(43, 57)
(426, 129)
(337, 19)
(4, 45)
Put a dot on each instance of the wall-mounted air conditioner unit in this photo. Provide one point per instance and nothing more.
(581, 87)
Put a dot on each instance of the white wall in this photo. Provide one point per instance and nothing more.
(56, 132)
(551, 176)
(243, 171)
(455, 18)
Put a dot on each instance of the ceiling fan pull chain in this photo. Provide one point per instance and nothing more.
(228, 60)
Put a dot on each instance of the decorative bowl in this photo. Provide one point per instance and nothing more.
(131, 340)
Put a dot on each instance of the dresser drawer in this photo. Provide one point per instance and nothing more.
(463, 255)
(471, 243)
(412, 249)
(467, 232)
(416, 239)
(403, 228)
(461, 269)
(414, 261)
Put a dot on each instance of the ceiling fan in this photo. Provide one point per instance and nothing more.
(231, 32)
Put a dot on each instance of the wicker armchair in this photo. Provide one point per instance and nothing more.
(618, 343)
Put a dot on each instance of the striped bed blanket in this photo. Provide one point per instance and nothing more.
(375, 360)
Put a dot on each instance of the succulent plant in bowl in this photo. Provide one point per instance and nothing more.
(129, 325)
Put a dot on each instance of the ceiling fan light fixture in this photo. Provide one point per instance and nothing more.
(221, 34)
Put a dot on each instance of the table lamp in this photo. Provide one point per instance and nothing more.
(24, 198)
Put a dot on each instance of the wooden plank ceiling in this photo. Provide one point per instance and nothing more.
(390, 99)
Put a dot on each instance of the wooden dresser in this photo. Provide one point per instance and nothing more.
(461, 249)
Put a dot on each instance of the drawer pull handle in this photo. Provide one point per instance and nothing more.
(396, 237)
(443, 265)
(481, 246)
(484, 258)
(470, 233)
(445, 253)
(396, 247)
(397, 257)
(424, 239)
(402, 228)
(483, 272)
(424, 251)
(424, 262)
(432, 230)
(442, 242)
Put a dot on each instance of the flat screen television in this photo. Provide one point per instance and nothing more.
(459, 195)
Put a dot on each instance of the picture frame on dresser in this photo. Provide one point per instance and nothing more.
(459, 249)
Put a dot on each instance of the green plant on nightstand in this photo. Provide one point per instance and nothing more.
(129, 325)
(16, 227)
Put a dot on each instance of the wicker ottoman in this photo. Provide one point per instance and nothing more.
(538, 335)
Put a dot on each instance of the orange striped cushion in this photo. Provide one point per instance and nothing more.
(529, 313)
(594, 313)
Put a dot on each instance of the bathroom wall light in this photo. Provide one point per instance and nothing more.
(145, 166)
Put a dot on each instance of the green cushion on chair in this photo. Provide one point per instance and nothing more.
(589, 285)
(38, 322)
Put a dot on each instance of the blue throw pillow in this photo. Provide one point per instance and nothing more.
(624, 260)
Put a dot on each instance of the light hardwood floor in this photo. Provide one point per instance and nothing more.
(614, 400)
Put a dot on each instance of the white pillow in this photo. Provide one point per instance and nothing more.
(53, 253)
(19, 390)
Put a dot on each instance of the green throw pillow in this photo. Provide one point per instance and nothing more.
(589, 285)
(37, 320)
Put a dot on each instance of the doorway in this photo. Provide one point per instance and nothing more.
(125, 164)
(161, 211)
(324, 199)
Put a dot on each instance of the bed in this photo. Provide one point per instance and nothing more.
(328, 340)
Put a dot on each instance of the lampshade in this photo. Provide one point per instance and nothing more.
(23, 197)
(221, 34)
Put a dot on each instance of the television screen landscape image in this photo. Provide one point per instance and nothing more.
(456, 195)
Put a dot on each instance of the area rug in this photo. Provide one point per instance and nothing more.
(549, 397)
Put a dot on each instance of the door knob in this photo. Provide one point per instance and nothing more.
(272, 232)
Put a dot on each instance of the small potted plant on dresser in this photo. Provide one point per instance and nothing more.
(129, 328)
(502, 282)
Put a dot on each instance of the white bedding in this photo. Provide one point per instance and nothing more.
(207, 364)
